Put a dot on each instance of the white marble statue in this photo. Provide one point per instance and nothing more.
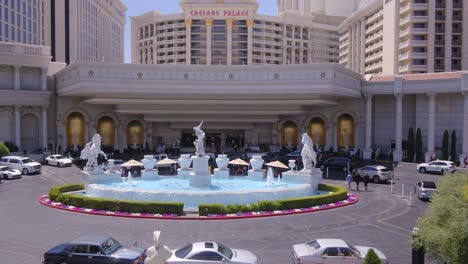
(309, 157)
(199, 146)
(91, 153)
(157, 254)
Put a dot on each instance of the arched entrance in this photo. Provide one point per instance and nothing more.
(30, 133)
(135, 133)
(345, 131)
(289, 134)
(106, 128)
(76, 130)
(317, 131)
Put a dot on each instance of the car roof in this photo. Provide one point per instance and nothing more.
(328, 242)
(91, 239)
(375, 166)
(14, 157)
(202, 246)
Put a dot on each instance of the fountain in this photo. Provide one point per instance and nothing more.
(197, 186)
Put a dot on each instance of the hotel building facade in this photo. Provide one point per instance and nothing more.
(255, 79)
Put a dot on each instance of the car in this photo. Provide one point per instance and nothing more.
(211, 252)
(23, 164)
(376, 173)
(337, 162)
(8, 174)
(331, 251)
(425, 189)
(59, 161)
(94, 249)
(255, 151)
(439, 166)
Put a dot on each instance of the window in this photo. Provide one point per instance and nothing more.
(80, 249)
(4, 160)
(313, 246)
(207, 255)
(346, 252)
(181, 253)
(331, 252)
(15, 161)
(94, 250)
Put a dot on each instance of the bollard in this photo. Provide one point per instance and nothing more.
(409, 198)
(327, 172)
(391, 186)
(403, 190)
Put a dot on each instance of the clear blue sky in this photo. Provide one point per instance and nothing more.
(138, 7)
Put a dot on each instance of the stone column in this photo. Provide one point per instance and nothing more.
(16, 82)
(368, 151)
(209, 24)
(465, 129)
(18, 127)
(398, 152)
(122, 139)
(44, 128)
(335, 137)
(188, 41)
(250, 24)
(44, 79)
(431, 127)
(229, 22)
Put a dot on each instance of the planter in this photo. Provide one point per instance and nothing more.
(256, 162)
(148, 161)
(222, 162)
(185, 161)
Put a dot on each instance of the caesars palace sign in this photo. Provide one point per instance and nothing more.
(219, 13)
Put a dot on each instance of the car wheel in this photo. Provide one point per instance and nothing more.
(376, 179)
(422, 170)
(59, 165)
(25, 171)
(443, 171)
(47, 163)
(5, 177)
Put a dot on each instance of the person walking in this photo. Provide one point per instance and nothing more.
(349, 180)
(366, 181)
(357, 179)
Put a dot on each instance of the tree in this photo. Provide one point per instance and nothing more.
(410, 145)
(419, 146)
(372, 258)
(453, 147)
(445, 146)
(443, 231)
(3, 150)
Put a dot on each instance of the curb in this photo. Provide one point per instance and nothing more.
(352, 199)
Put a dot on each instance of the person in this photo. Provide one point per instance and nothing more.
(366, 181)
(349, 180)
(357, 179)
(465, 161)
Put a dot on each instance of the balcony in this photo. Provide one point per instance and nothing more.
(439, 42)
(375, 27)
(412, 68)
(374, 46)
(440, 18)
(374, 67)
(411, 30)
(413, 43)
(457, 30)
(440, 5)
(23, 49)
(440, 30)
(439, 55)
(456, 42)
(457, 18)
(413, 19)
(374, 37)
(374, 56)
(457, 5)
(413, 7)
(413, 55)
(375, 17)
(344, 37)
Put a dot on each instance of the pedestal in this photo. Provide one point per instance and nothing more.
(220, 173)
(313, 177)
(200, 177)
(256, 175)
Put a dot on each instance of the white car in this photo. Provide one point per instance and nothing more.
(331, 251)
(211, 252)
(439, 166)
(23, 164)
(425, 189)
(376, 173)
(58, 160)
(8, 174)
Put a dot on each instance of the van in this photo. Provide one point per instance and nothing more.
(23, 164)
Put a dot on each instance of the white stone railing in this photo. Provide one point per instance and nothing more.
(18, 48)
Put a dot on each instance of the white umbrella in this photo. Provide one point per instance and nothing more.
(166, 161)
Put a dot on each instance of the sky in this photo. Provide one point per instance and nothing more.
(138, 7)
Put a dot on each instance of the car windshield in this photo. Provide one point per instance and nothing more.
(429, 185)
(225, 251)
(181, 253)
(110, 246)
(313, 246)
(355, 251)
(384, 170)
(59, 157)
(26, 161)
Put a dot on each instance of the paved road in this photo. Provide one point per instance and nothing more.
(380, 219)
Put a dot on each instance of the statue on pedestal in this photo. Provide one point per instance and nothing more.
(91, 153)
(309, 157)
(199, 145)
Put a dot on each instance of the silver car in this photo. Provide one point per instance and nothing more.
(211, 252)
(376, 173)
(438, 166)
(425, 189)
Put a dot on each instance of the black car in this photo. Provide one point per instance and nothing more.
(94, 249)
(337, 163)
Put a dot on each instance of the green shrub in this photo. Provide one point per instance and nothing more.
(3, 149)
(419, 147)
(206, 209)
(372, 258)
(445, 145)
(453, 146)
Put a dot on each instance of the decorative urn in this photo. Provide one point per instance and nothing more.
(148, 162)
(292, 164)
(222, 162)
(256, 162)
(185, 161)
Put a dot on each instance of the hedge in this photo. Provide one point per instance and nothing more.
(337, 193)
(56, 194)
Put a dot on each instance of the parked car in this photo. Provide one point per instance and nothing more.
(439, 166)
(211, 252)
(376, 173)
(8, 174)
(23, 164)
(425, 189)
(337, 163)
(251, 151)
(331, 251)
(94, 249)
(59, 161)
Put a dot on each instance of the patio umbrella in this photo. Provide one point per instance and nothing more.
(277, 164)
(132, 163)
(166, 161)
(239, 162)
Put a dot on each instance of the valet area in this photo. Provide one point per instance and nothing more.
(145, 106)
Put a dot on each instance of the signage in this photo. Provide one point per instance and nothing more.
(219, 13)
